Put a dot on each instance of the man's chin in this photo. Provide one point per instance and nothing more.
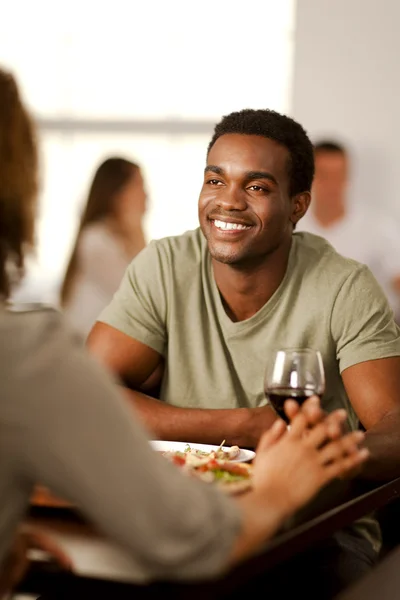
(222, 255)
(225, 260)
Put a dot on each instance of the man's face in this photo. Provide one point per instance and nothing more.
(330, 178)
(244, 205)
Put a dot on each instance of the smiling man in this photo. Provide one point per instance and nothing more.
(198, 315)
(185, 316)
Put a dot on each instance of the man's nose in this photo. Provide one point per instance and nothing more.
(232, 198)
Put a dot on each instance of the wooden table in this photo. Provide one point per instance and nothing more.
(98, 561)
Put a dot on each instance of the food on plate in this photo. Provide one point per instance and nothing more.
(232, 477)
(220, 453)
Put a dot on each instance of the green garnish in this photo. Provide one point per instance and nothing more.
(224, 475)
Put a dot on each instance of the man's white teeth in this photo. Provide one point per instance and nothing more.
(225, 226)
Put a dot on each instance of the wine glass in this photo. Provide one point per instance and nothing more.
(295, 373)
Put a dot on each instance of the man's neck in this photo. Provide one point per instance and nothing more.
(328, 214)
(245, 290)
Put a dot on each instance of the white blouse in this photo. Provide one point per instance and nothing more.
(102, 263)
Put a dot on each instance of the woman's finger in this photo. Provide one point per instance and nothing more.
(298, 426)
(347, 445)
(291, 408)
(342, 466)
(336, 421)
(38, 540)
(311, 408)
(329, 429)
(272, 435)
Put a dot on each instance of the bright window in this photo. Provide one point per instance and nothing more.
(146, 80)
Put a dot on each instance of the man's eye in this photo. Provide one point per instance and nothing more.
(258, 188)
(214, 182)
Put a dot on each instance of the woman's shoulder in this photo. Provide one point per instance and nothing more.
(32, 331)
(96, 235)
(97, 243)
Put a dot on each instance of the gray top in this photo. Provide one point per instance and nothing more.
(64, 425)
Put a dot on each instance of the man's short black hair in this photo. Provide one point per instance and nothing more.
(281, 129)
(329, 146)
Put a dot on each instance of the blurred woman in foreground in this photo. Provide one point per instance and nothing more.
(109, 236)
(66, 425)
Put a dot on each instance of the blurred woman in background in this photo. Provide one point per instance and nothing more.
(109, 236)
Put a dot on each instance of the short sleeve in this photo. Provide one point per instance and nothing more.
(139, 306)
(362, 322)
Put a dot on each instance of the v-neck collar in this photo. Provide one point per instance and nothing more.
(236, 327)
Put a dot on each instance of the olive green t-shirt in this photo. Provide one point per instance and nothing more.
(168, 300)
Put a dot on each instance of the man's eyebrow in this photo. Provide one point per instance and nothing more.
(250, 175)
(214, 169)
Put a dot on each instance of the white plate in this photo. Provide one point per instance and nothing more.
(164, 446)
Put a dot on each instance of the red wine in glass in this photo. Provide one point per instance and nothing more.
(293, 373)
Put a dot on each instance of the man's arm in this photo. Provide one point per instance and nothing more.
(140, 367)
(373, 388)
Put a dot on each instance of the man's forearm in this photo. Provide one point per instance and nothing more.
(383, 442)
(239, 426)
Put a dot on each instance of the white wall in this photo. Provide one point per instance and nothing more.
(347, 84)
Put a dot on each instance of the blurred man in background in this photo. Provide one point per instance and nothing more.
(367, 236)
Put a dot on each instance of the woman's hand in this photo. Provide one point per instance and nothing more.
(292, 465)
(17, 561)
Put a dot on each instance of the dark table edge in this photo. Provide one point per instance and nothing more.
(278, 550)
(322, 526)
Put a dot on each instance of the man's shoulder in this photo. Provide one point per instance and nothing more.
(191, 239)
(315, 252)
(187, 248)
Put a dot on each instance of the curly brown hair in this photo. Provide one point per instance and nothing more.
(18, 182)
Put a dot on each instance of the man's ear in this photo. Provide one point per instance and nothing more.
(300, 202)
